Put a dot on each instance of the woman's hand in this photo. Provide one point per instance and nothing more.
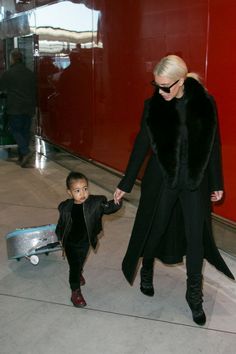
(216, 196)
(118, 195)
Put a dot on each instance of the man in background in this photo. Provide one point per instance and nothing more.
(19, 84)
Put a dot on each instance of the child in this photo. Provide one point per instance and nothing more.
(78, 227)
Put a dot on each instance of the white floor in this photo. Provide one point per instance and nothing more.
(36, 315)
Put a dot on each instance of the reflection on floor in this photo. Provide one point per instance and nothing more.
(36, 312)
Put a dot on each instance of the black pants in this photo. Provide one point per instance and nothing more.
(76, 254)
(19, 125)
(193, 212)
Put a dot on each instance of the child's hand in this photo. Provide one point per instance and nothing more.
(118, 195)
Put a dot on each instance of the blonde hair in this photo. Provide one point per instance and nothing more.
(173, 67)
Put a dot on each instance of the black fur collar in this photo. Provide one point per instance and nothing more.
(164, 128)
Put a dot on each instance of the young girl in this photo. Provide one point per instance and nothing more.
(78, 227)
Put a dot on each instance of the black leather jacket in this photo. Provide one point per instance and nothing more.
(94, 207)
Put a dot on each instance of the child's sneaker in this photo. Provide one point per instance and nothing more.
(77, 298)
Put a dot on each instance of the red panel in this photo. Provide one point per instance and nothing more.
(98, 115)
(95, 111)
(221, 81)
(123, 70)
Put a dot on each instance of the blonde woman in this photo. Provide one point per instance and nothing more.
(182, 178)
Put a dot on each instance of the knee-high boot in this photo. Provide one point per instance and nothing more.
(146, 274)
(194, 298)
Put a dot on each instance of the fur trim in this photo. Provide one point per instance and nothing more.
(164, 128)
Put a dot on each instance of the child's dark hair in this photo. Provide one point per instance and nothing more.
(72, 176)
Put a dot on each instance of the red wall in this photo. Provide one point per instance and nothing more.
(221, 81)
(104, 116)
(94, 109)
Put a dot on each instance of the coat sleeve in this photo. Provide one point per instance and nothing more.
(59, 227)
(138, 154)
(215, 162)
(58, 230)
(3, 82)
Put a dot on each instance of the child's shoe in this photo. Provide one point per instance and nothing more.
(77, 298)
(82, 280)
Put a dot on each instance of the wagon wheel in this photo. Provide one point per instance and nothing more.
(34, 259)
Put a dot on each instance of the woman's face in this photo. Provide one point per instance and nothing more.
(176, 87)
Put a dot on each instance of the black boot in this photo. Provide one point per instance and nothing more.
(146, 274)
(194, 298)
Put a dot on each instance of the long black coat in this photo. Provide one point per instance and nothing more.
(160, 131)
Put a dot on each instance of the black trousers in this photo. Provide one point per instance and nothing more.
(193, 212)
(19, 126)
(76, 254)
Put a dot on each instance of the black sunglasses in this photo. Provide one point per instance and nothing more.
(163, 88)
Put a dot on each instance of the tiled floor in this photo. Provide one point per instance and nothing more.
(36, 315)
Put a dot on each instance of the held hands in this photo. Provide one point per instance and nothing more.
(118, 195)
(216, 196)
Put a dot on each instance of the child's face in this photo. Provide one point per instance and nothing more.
(79, 190)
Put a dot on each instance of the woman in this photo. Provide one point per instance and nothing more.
(181, 179)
